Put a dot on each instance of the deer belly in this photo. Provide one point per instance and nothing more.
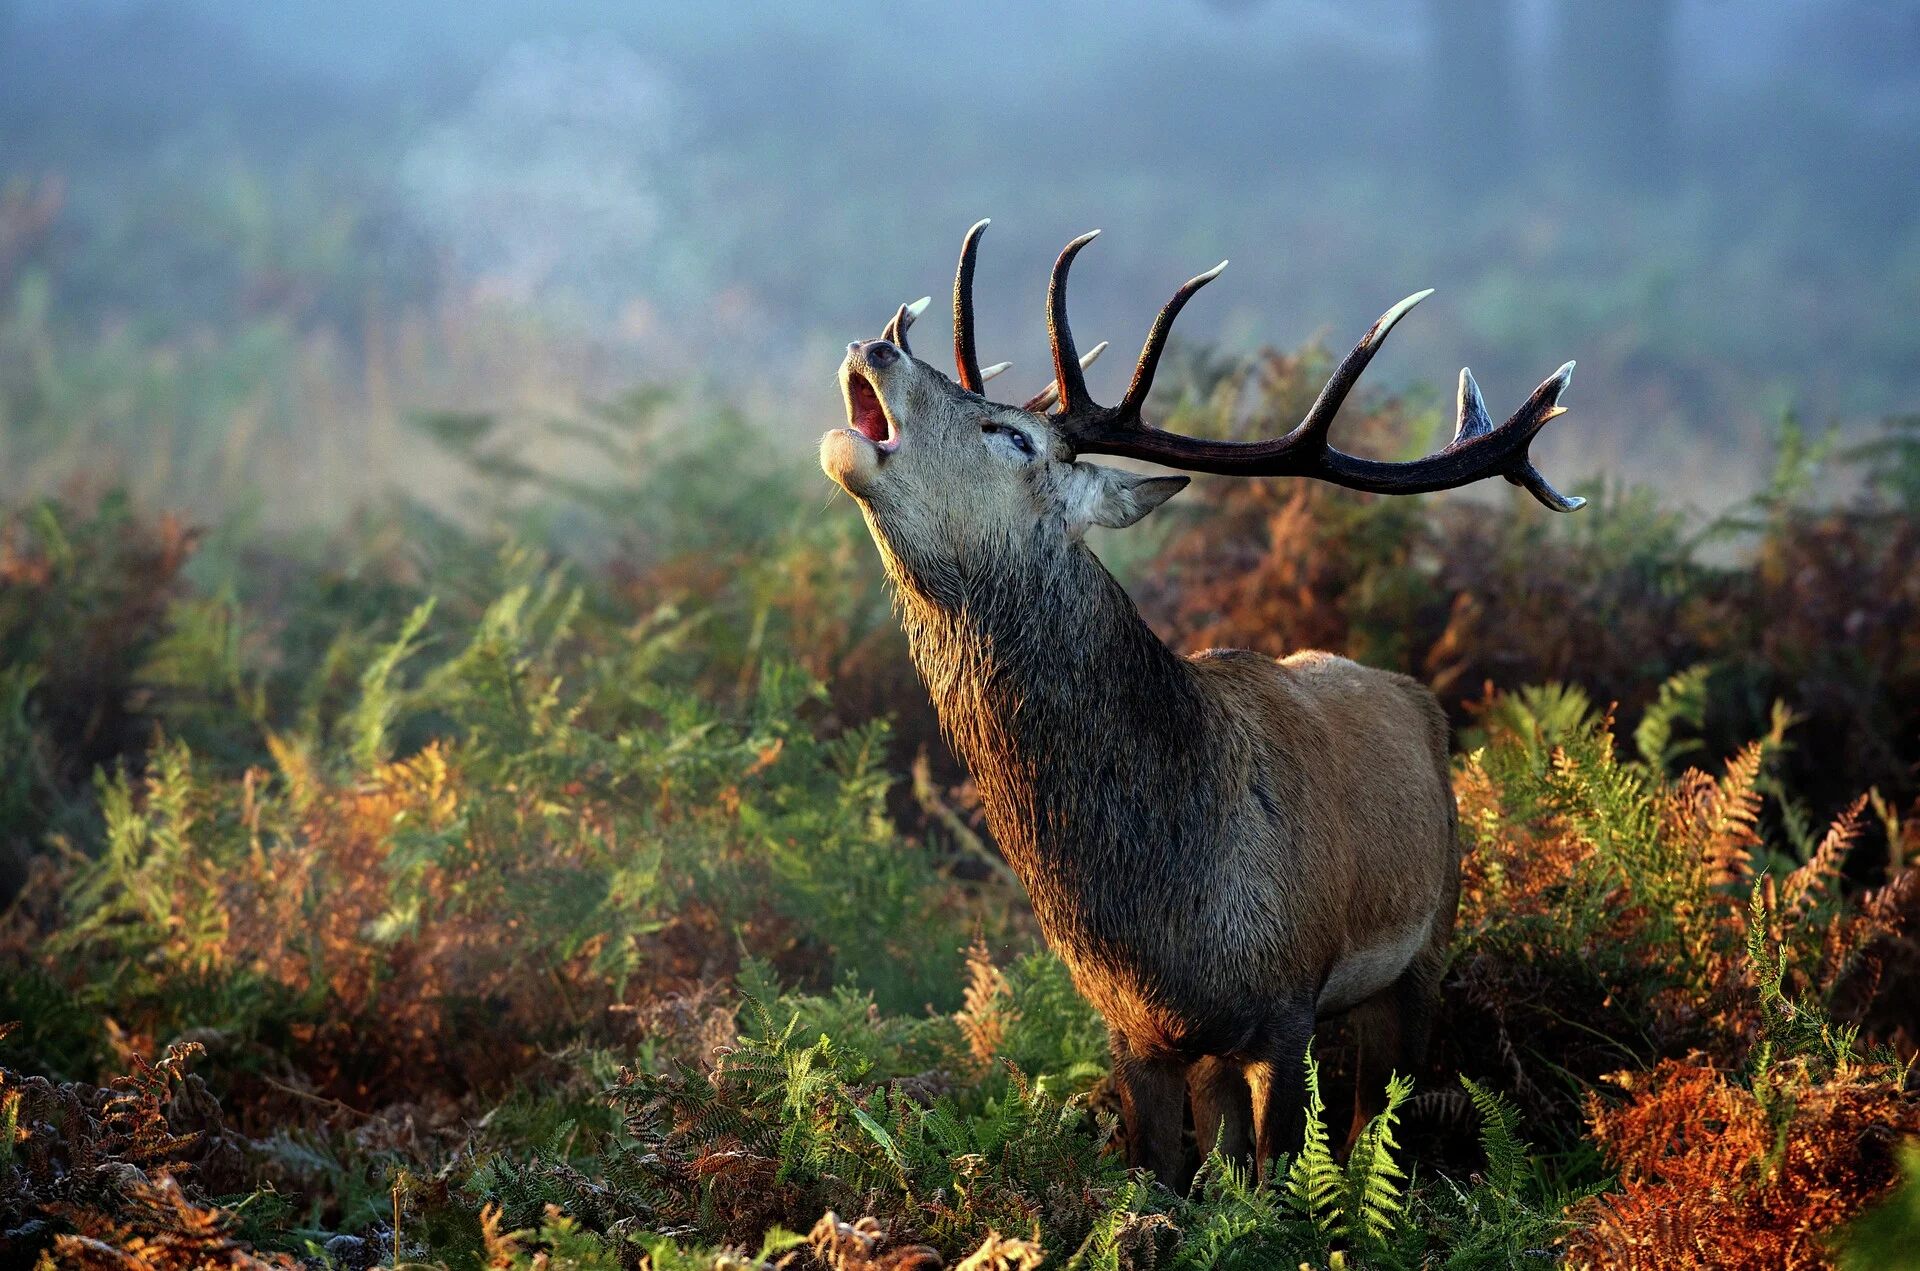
(1363, 971)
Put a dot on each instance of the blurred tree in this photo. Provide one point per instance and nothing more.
(1612, 80)
(1473, 108)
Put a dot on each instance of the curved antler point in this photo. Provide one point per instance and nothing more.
(1528, 477)
(1391, 317)
(1405, 306)
(919, 306)
(1471, 421)
(1554, 385)
(1068, 381)
(966, 357)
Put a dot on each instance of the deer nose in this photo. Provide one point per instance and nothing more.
(877, 353)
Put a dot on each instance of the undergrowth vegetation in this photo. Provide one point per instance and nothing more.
(552, 895)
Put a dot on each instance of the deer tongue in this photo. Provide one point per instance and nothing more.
(864, 412)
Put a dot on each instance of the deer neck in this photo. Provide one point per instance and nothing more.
(1075, 720)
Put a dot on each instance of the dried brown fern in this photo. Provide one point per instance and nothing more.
(863, 1245)
(1718, 819)
(1712, 1177)
(1805, 886)
(987, 1010)
(156, 1226)
(111, 1176)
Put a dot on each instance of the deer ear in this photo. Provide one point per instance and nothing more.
(1114, 497)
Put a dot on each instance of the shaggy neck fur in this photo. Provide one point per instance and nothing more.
(1076, 722)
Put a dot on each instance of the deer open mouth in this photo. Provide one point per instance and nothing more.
(866, 416)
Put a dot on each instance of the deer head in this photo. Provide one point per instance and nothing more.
(938, 468)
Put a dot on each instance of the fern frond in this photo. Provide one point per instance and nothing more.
(1802, 889)
(1315, 1184)
(1682, 700)
(1375, 1193)
(1507, 1152)
(1733, 825)
(379, 703)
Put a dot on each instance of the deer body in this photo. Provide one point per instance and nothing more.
(1220, 848)
(1223, 848)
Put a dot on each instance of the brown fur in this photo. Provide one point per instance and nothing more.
(1222, 848)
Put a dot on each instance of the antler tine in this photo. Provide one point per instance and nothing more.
(1066, 364)
(1543, 406)
(1319, 419)
(1471, 419)
(1473, 422)
(1156, 344)
(895, 332)
(1047, 396)
(966, 359)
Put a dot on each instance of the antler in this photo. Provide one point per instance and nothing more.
(895, 332)
(965, 359)
(1478, 449)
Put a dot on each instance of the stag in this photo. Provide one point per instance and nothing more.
(1223, 848)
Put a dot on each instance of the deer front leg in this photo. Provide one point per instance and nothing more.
(1222, 1108)
(1278, 1082)
(1153, 1093)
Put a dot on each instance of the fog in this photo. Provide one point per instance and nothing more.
(242, 244)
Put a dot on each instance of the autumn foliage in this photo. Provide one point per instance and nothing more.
(570, 901)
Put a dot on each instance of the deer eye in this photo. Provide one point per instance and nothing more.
(1020, 440)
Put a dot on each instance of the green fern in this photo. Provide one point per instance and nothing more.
(1315, 1186)
(832, 1135)
(1505, 1217)
(1682, 700)
(1789, 1028)
(1507, 1153)
(1055, 1034)
(1375, 1186)
(369, 724)
(1234, 1222)
(1541, 717)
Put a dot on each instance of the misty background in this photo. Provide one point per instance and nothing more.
(242, 246)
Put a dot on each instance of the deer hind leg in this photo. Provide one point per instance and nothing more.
(1277, 1082)
(1153, 1101)
(1222, 1108)
(1392, 1028)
